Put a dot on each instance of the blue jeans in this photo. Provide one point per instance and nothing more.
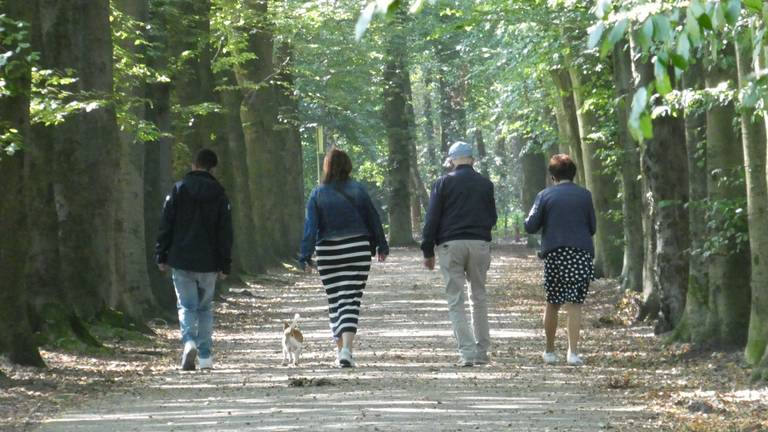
(194, 294)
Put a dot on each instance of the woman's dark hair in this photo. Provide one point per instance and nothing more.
(561, 167)
(206, 159)
(337, 166)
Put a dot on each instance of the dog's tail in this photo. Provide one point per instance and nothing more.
(295, 321)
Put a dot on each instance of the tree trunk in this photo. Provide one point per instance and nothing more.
(86, 149)
(729, 273)
(265, 149)
(534, 180)
(481, 152)
(290, 144)
(756, 352)
(158, 158)
(453, 116)
(568, 121)
(399, 138)
(608, 255)
(157, 184)
(697, 297)
(666, 273)
(132, 292)
(245, 246)
(632, 204)
(753, 134)
(433, 160)
(15, 333)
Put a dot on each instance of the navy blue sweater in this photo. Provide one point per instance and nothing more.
(566, 217)
(461, 207)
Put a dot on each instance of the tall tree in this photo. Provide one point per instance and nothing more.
(131, 291)
(15, 333)
(608, 255)
(728, 317)
(665, 277)
(400, 135)
(632, 208)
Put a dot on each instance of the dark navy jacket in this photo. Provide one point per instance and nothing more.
(331, 215)
(196, 228)
(566, 217)
(461, 207)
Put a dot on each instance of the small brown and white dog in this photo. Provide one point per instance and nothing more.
(293, 341)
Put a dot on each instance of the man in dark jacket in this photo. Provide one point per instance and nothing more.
(195, 242)
(460, 217)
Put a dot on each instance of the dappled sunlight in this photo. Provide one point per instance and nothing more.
(405, 379)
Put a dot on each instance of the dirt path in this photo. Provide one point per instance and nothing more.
(405, 380)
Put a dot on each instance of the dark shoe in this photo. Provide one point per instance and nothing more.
(464, 363)
(188, 357)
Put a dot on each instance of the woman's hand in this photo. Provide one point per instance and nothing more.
(382, 257)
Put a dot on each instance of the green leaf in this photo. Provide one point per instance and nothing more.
(646, 126)
(595, 34)
(416, 6)
(645, 35)
(603, 8)
(616, 34)
(692, 28)
(365, 20)
(662, 28)
(705, 22)
(732, 11)
(755, 5)
(678, 61)
(682, 55)
(663, 83)
(696, 8)
(718, 20)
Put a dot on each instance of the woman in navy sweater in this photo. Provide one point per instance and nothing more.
(566, 217)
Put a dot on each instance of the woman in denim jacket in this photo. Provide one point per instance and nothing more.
(345, 230)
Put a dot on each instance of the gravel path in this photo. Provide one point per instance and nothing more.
(405, 379)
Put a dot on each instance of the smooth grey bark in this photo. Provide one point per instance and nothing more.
(608, 254)
(697, 297)
(132, 292)
(729, 269)
(400, 135)
(632, 207)
(665, 226)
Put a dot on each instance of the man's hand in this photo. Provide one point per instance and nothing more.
(163, 267)
(429, 263)
(382, 257)
(222, 276)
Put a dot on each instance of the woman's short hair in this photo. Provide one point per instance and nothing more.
(561, 167)
(336, 166)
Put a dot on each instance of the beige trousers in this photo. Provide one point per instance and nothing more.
(462, 260)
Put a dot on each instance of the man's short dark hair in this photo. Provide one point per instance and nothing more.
(561, 167)
(206, 159)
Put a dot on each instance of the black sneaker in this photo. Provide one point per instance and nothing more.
(188, 357)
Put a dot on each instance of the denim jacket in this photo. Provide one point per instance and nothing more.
(331, 215)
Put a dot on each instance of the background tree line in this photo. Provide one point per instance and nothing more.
(661, 104)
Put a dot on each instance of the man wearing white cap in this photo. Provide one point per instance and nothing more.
(461, 215)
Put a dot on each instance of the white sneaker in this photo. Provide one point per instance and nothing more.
(205, 363)
(549, 357)
(574, 359)
(188, 357)
(345, 358)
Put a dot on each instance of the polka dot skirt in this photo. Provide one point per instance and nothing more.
(567, 274)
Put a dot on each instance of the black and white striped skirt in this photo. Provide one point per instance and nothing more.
(343, 266)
